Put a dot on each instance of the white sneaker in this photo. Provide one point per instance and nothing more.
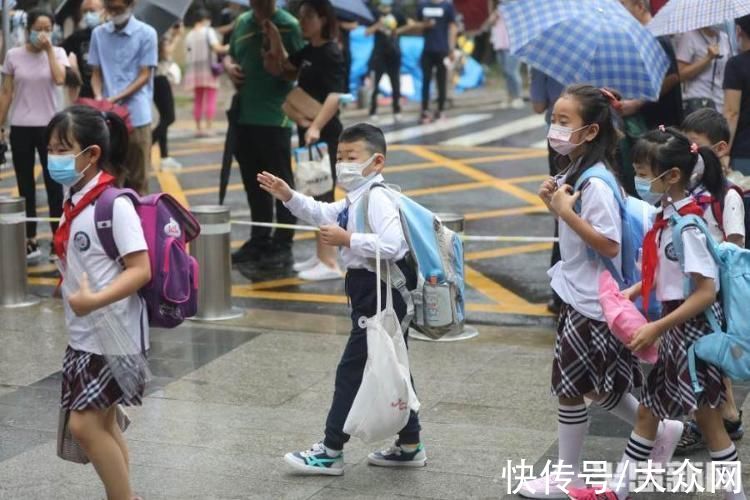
(397, 118)
(320, 272)
(305, 264)
(517, 103)
(666, 441)
(547, 487)
(170, 163)
(373, 119)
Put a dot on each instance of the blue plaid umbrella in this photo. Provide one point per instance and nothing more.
(587, 41)
(681, 16)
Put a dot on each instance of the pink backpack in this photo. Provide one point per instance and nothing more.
(172, 294)
(622, 315)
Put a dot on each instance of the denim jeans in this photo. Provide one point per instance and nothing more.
(511, 67)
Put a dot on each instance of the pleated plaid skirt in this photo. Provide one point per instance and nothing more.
(588, 358)
(668, 392)
(88, 382)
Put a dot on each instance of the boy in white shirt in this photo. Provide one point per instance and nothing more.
(360, 162)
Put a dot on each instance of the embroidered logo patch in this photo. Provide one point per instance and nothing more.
(172, 229)
(671, 253)
(82, 241)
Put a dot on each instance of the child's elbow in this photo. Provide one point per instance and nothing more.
(611, 249)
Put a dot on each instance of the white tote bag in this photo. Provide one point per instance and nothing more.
(313, 175)
(385, 397)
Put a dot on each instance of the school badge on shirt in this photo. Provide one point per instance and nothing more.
(82, 241)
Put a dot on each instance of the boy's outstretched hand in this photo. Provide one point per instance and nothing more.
(277, 187)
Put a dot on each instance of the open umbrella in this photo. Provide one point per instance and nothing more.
(161, 14)
(587, 41)
(353, 10)
(681, 16)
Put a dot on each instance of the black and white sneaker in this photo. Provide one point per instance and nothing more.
(316, 461)
(396, 456)
(32, 251)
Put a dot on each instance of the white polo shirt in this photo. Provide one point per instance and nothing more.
(575, 278)
(125, 321)
(670, 279)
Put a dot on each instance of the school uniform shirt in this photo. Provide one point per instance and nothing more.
(670, 278)
(575, 278)
(85, 253)
(733, 215)
(383, 217)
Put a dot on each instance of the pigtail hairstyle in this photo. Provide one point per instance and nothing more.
(699, 165)
(597, 106)
(90, 127)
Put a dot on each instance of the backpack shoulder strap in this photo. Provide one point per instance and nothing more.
(104, 214)
(603, 173)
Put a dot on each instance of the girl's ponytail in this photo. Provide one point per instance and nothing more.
(118, 143)
(713, 175)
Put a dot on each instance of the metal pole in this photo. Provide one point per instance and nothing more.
(211, 250)
(13, 255)
(462, 331)
(6, 27)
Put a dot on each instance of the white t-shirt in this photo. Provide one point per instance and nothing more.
(670, 279)
(709, 83)
(85, 253)
(575, 278)
(733, 215)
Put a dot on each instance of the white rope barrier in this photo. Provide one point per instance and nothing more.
(16, 218)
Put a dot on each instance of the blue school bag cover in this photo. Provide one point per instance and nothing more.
(728, 349)
(436, 306)
(637, 218)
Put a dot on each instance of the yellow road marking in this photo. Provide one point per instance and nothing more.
(527, 178)
(445, 147)
(168, 181)
(280, 283)
(37, 172)
(478, 175)
(244, 292)
(505, 251)
(505, 157)
(207, 148)
(491, 289)
(36, 280)
(504, 212)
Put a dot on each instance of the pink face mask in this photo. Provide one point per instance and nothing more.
(559, 138)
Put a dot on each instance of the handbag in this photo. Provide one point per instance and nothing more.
(301, 107)
(313, 176)
(68, 448)
(105, 106)
(386, 396)
(696, 103)
(217, 68)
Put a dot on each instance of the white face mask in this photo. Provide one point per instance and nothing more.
(559, 138)
(123, 18)
(349, 174)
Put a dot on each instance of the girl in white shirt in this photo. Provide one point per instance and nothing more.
(668, 392)
(588, 360)
(85, 146)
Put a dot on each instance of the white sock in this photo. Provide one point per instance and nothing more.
(638, 450)
(729, 455)
(331, 452)
(622, 405)
(572, 425)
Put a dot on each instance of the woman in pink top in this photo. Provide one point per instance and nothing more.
(30, 74)
(509, 64)
(201, 45)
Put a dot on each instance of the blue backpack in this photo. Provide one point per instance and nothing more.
(729, 349)
(637, 218)
(436, 306)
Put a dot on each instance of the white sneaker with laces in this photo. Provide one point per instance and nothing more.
(517, 103)
(666, 441)
(170, 163)
(304, 265)
(320, 272)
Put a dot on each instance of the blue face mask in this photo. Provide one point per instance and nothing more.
(92, 19)
(62, 169)
(34, 38)
(643, 188)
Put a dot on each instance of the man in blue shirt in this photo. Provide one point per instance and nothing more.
(437, 20)
(123, 54)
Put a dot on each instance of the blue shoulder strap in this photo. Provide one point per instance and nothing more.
(679, 224)
(601, 172)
